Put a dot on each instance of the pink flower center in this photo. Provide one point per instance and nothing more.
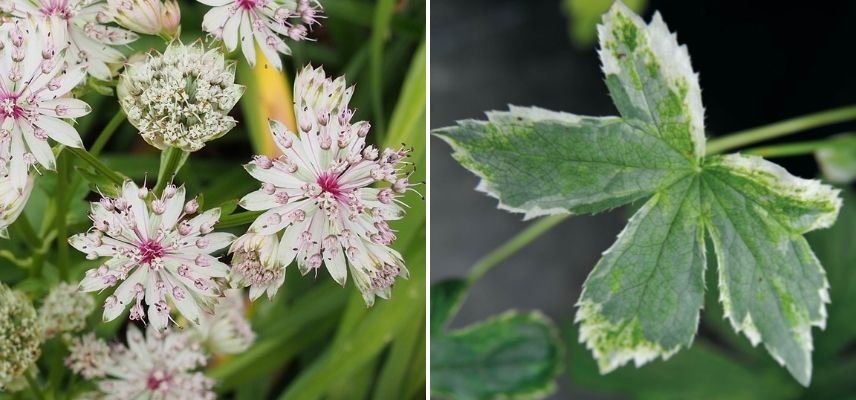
(9, 106)
(157, 380)
(247, 4)
(149, 250)
(57, 7)
(329, 183)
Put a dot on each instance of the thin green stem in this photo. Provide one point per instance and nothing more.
(513, 245)
(100, 168)
(238, 219)
(171, 161)
(790, 149)
(63, 200)
(25, 230)
(107, 133)
(778, 129)
(34, 386)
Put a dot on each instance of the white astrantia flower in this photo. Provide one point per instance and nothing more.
(261, 22)
(180, 98)
(255, 264)
(34, 102)
(160, 366)
(81, 26)
(149, 17)
(88, 356)
(156, 252)
(227, 331)
(65, 309)
(320, 193)
(12, 201)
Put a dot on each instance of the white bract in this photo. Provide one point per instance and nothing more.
(180, 98)
(261, 22)
(150, 17)
(159, 366)
(12, 202)
(34, 101)
(156, 252)
(319, 192)
(227, 331)
(82, 27)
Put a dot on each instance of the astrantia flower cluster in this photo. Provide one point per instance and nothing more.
(20, 334)
(34, 101)
(156, 252)
(261, 22)
(180, 98)
(80, 26)
(319, 193)
(161, 365)
(65, 310)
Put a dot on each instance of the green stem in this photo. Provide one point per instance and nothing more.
(778, 129)
(107, 133)
(238, 219)
(25, 230)
(790, 149)
(34, 386)
(63, 200)
(171, 161)
(102, 169)
(512, 246)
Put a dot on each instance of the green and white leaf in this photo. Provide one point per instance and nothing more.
(540, 162)
(637, 304)
(772, 287)
(643, 298)
(512, 356)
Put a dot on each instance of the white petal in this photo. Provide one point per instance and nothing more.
(40, 149)
(75, 107)
(247, 46)
(334, 259)
(60, 131)
(173, 208)
(258, 201)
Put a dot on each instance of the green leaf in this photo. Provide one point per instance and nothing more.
(446, 299)
(642, 299)
(838, 160)
(515, 355)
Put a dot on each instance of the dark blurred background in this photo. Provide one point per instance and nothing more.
(759, 62)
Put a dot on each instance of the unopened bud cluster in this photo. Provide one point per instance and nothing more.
(20, 335)
(65, 310)
(180, 98)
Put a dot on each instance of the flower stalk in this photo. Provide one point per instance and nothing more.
(779, 129)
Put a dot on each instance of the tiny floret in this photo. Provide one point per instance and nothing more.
(263, 23)
(329, 194)
(180, 98)
(161, 258)
(20, 335)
